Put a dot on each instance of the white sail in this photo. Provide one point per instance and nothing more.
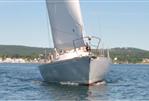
(66, 23)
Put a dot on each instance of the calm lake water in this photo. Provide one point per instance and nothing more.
(124, 82)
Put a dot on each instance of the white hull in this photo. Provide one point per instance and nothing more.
(80, 70)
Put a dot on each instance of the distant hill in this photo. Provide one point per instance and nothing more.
(129, 55)
(123, 55)
(11, 50)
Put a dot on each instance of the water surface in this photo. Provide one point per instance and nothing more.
(24, 82)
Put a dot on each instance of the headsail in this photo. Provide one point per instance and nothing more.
(66, 23)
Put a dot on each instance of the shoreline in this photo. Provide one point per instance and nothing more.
(43, 63)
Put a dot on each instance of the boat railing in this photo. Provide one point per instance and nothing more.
(92, 44)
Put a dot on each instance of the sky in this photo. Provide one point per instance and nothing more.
(119, 23)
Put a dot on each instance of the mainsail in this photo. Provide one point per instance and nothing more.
(66, 23)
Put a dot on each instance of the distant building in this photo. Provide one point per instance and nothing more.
(1, 60)
(145, 60)
(115, 59)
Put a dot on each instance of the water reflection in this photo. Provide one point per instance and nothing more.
(66, 92)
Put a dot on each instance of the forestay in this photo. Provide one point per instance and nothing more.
(66, 23)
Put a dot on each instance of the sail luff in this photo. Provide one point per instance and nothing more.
(66, 23)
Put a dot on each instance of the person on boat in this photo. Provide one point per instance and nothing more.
(88, 48)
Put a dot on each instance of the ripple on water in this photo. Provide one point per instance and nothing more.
(24, 82)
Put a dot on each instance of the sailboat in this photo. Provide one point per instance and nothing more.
(72, 61)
